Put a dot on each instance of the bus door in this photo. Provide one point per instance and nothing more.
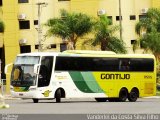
(45, 71)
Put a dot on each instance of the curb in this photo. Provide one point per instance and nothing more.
(9, 97)
(152, 97)
(2, 106)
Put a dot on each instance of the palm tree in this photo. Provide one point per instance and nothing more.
(148, 30)
(105, 36)
(70, 27)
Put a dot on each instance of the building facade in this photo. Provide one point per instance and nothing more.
(21, 22)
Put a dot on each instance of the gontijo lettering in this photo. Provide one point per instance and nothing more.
(115, 76)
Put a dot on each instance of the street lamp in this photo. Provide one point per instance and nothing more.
(40, 4)
(120, 19)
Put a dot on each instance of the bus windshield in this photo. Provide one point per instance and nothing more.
(23, 71)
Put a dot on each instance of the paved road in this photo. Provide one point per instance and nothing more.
(79, 106)
(83, 106)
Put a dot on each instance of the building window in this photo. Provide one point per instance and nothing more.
(25, 49)
(36, 46)
(118, 18)
(24, 24)
(64, 0)
(35, 22)
(142, 17)
(50, 46)
(133, 42)
(132, 17)
(22, 1)
(110, 20)
(0, 2)
(63, 47)
(53, 45)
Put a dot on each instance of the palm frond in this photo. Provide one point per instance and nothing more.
(151, 25)
(86, 43)
(116, 45)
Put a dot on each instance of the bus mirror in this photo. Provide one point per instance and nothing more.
(6, 68)
(36, 68)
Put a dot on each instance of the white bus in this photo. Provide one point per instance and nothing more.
(83, 74)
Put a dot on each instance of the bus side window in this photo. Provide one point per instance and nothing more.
(124, 65)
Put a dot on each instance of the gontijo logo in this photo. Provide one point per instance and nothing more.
(115, 76)
(46, 93)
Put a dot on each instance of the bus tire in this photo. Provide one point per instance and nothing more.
(123, 95)
(101, 99)
(133, 95)
(35, 100)
(58, 96)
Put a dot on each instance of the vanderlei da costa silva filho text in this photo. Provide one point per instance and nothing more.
(123, 116)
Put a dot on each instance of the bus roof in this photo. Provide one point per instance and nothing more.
(87, 53)
(39, 54)
(102, 54)
(90, 52)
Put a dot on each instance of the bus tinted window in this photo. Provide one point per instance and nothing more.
(86, 64)
(124, 64)
(103, 64)
(45, 71)
(142, 64)
(73, 64)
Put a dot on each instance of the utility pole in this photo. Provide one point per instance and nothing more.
(40, 4)
(120, 19)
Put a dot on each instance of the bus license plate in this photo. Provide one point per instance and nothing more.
(20, 94)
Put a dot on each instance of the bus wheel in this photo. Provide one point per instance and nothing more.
(133, 95)
(58, 96)
(101, 99)
(35, 100)
(123, 95)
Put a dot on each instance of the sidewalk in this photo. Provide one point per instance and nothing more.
(2, 102)
(152, 97)
(9, 97)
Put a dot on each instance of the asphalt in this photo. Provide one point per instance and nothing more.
(9, 97)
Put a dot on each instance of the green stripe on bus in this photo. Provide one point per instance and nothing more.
(21, 89)
(80, 82)
(91, 82)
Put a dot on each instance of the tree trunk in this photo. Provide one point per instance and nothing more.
(104, 45)
(70, 45)
(157, 56)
